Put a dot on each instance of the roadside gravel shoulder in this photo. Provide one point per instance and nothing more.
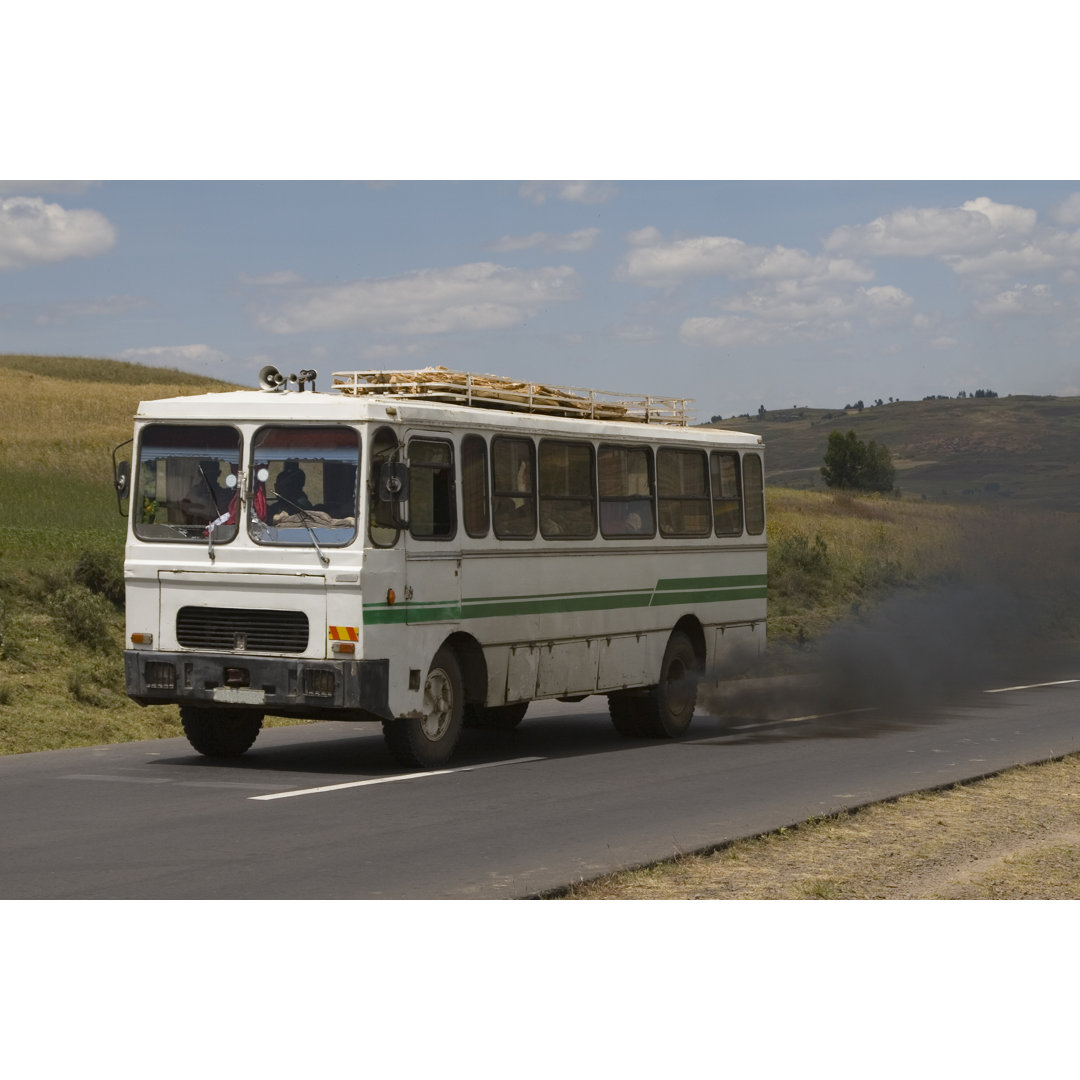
(1015, 835)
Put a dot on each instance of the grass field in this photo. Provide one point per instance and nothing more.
(61, 668)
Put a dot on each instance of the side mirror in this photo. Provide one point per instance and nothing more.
(121, 479)
(393, 482)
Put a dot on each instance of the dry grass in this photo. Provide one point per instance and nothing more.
(830, 554)
(1012, 836)
(68, 427)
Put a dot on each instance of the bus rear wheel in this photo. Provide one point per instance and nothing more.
(220, 732)
(668, 708)
(429, 739)
(496, 717)
(626, 711)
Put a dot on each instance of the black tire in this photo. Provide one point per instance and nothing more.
(669, 706)
(496, 717)
(220, 732)
(426, 741)
(625, 710)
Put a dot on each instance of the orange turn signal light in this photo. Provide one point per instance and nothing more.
(142, 639)
(344, 647)
(391, 596)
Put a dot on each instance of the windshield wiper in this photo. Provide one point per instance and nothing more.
(303, 521)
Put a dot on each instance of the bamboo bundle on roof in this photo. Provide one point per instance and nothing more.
(497, 391)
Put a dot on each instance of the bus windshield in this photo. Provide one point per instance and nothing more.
(186, 483)
(304, 486)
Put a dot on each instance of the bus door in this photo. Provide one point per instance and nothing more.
(432, 547)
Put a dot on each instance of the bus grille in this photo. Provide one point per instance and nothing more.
(241, 630)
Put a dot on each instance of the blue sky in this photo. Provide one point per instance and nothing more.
(734, 293)
(264, 219)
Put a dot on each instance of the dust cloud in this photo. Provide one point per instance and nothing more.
(1011, 616)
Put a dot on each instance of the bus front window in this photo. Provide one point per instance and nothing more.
(186, 483)
(304, 486)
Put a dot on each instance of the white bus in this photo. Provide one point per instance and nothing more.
(434, 550)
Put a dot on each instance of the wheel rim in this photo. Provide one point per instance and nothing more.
(438, 705)
(680, 690)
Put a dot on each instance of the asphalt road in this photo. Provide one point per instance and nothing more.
(321, 811)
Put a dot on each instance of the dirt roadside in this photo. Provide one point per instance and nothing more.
(1012, 836)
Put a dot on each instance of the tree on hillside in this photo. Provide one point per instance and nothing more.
(853, 465)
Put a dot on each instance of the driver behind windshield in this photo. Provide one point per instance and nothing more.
(289, 489)
(208, 498)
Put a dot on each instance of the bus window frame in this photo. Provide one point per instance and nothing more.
(526, 495)
(756, 490)
(376, 459)
(719, 501)
(705, 498)
(450, 468)
(552, 443)
(624, 501)
(484, 486)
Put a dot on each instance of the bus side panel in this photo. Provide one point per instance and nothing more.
(567, 667)
(734, 649)
(521, 667)
(623, 660)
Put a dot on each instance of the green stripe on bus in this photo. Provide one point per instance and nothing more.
(667, 584)
(667, 591)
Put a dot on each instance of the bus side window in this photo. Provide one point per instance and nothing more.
(474, 485)
(726, 497)
(567, 497)
(431, 490)
(513, 464)
(754, 490)
(683, 490)
(381, 527)
(626, 487)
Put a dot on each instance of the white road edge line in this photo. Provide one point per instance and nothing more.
(1032, 686)
(800, 719)
(390, 779)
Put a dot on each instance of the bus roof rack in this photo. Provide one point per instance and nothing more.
(498, 392)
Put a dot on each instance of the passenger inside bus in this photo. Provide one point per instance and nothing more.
(207, 498)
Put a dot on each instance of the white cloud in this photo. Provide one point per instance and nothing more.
(653, 262)
(33, 231)
(580, 240)
(1029, 259)
(184, 357)
(278, 277)
(649, 235)
(1020, 300)
(1068, 212)
(977, 225)
(112, 305)
(722, 331)
(791, 312)
(589, 192)
(477, 296)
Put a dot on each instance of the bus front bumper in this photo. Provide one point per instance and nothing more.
(303, 688)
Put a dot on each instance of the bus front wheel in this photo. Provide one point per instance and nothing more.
(429, 739)
(220, 732)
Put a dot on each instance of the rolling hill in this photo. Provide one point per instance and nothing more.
(1020, 449)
